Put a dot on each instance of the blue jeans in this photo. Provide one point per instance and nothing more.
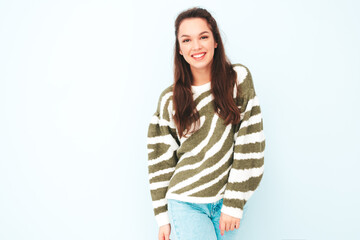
(200, 221)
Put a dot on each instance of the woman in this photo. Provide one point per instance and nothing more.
(205, 141)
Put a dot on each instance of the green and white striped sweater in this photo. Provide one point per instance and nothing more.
(215, 162)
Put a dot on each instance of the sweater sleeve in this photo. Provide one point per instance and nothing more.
(162, 143)
(248, 161)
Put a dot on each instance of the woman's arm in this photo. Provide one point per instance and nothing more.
(248, 163)
(162, 144)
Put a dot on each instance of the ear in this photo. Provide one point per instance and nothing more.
(215, 45)
(180, 52)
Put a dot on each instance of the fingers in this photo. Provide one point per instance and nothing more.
(226, 225)
(164, 236)
(222, 227)
(164, 232)
(237, 224)
(232, 226)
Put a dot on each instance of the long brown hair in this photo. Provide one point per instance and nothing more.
(223, 79)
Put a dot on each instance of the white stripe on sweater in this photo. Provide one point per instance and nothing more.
(204, 172)
(253, 102)
(208, 184)
(241, 74)
(229, 194)
(252, 120)
(182, 197)
(250, 138)
(162, 218)
(202, 121)
(157, 185)
(166, 156)
(243, 156)
(241, 175)
(164, 99)
(171, 112)
(222, 189)
(211, 152)
(204, 142)
(235, 212)
(160, 172)
(204, 102)
(162, 122)
(167, 139)
(159, 203)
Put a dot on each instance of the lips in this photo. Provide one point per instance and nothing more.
(198, 54)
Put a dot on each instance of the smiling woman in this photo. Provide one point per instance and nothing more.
(197, 49)
(205, 140)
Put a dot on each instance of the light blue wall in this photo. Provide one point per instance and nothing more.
(79, 81)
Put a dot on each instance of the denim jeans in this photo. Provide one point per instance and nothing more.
(198, 221)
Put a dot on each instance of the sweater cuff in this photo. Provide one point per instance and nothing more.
(234, 212)
(162, 219)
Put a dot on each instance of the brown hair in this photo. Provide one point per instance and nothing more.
(223, 79)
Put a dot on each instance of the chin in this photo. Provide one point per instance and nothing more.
(200, 64)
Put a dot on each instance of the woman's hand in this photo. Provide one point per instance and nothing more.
(164, 232)
(227, 223)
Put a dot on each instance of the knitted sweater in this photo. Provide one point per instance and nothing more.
(217, 161)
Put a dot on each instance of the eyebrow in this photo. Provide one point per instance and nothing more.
(189, 36)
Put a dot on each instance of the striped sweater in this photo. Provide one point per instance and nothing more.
(216, 162)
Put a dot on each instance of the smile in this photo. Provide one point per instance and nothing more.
(199, 56)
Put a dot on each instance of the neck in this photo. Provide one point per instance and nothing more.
(201, 76)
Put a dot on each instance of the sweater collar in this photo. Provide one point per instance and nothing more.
(201, 88)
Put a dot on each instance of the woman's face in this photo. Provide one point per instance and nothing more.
(197, 43)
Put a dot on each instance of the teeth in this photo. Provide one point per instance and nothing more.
(200, 55)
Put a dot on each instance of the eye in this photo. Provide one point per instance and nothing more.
(204, 36)
(185, 40)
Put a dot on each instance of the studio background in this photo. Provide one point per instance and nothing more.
(80, 80)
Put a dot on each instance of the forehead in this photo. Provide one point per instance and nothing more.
(193, 26)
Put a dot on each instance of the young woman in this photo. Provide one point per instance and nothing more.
(205, 140)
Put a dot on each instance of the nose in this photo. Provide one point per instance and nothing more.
(196, 44)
